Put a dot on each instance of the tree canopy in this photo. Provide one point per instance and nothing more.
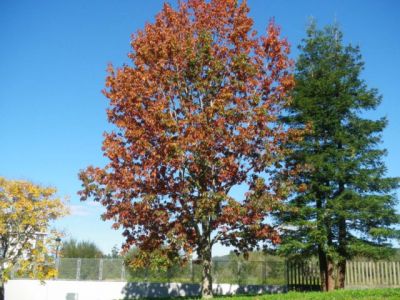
(346, 204)
(195, 114)
(26, 213)
(80, 249)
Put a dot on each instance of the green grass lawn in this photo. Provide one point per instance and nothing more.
(370, 294)
(374, 294)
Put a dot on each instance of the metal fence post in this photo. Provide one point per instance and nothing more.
(101, 269)
(287, 274)
(168, 274)
(78, 268)
(264, 272)
(57, 267)
(191, 271)
(238, 272)
(122, 270)
(215, 268)
(35, 270)
(12, 275)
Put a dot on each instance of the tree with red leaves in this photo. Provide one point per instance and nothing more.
(196, 114)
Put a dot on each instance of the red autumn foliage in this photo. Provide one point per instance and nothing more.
(195, 114)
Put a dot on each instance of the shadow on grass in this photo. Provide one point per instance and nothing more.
(198, 297)
(366, 294)
(136, 290)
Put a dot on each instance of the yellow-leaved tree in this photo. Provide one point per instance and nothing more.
(26, 213)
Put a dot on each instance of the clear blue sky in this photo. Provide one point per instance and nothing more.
(53, 57)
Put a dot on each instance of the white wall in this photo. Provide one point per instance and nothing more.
(110, 290)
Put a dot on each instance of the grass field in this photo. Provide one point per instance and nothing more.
(374, 294)
(370, 294)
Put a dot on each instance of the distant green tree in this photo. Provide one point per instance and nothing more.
(115, 252)
(80, 249)
(345, 206)
(396, 255)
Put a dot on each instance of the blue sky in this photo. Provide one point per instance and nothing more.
(53, 59)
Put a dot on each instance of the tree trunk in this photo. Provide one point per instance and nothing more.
(342, 239)
(326, 271)
(343, 254)
(342, 273)
(330, 266)
(1, 290)
(322, 267)
(342, 250)
(330, 281)
(206, 282)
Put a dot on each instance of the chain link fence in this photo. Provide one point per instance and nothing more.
(224, 271)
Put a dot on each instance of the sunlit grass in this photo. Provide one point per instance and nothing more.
(367, 294)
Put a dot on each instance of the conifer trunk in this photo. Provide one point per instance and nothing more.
(330, 266)
(322, 267)
(342, 253)
(326, 270)
(330, 281)
(342, 273)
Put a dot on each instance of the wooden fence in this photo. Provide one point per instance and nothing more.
(304, 276)
(372, 274)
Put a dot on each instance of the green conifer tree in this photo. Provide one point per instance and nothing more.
(345, 206)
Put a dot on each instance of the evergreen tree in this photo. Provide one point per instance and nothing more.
(345, 206)
(80, 249)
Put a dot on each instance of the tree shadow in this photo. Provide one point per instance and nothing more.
(136, 290)
(247, 290)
